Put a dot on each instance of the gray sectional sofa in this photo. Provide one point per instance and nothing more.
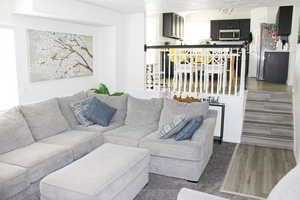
(38, 139)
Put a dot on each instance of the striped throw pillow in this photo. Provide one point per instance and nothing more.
(173, 127)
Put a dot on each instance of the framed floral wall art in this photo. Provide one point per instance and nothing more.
(55, 55)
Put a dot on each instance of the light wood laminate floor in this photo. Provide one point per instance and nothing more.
(255, 85)
(254, 170)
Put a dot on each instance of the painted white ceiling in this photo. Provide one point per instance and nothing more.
(123, 6)
(133, 6)
(192, 5)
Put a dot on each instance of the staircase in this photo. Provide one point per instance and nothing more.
(268, 119)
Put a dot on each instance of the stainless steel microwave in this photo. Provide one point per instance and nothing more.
(230, 34)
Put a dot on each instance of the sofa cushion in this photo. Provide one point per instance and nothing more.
(172, 108)
(184, 150)
(287, 187)
(14, 131)
(99, 112)
(102, 174)
(79, 108)
(173, 127)
(188, 194)
(65, 107)
(189, 129)
(129, 135)
(143, 111)
(99, 129)
(44, 119)
(118, 102)
(39, 159)
(13, 179)
(80, 142)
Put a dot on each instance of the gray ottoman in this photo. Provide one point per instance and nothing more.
(110, 172)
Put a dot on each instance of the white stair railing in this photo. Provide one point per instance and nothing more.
(196, 72)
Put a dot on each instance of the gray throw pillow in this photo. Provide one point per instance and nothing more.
(98, 112)
(44, 119)
(79, 108)
(14, 131)
(117, 102)
(173, 108)
(173, 127)
(143, 111)
(65, 102)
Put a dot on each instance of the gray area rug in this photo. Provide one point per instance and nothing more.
(167, 188)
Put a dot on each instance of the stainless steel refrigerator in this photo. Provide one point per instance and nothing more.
(268, 41)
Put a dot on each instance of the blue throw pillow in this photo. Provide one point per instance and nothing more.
(189, 129)
(99, 112)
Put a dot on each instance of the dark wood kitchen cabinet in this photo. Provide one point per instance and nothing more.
(245, 29)
(214, 30)
(173, 26)
(235, 24)
(276, 67)
(284, 20)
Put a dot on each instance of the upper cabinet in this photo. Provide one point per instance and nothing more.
(235, 29)
(245, 29)
(173, 26)
(284, 20)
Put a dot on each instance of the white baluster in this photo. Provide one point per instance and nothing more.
(180, 76)
(169, 74)
(191, 74)
(230, 72)
(243, 68)
(236, 73)
(196, 74)
(164, 69)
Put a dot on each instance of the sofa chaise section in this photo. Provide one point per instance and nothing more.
(182, 159)
(13, 180)
(38, 159)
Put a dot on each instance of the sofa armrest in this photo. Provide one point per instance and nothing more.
(187, 194)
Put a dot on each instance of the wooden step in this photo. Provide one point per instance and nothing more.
(267, 142)
(269, 96)
(269, 118)
(268, 130)
(272, 107)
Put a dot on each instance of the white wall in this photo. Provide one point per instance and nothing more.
(32, 92)
(197, 24)
(64, 16)
(234, 115)
(296, 77)
(296, 105)
(293, 39)
(134, 56)
(154, 29)
(84, 13)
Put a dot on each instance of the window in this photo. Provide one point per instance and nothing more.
(8, 73)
